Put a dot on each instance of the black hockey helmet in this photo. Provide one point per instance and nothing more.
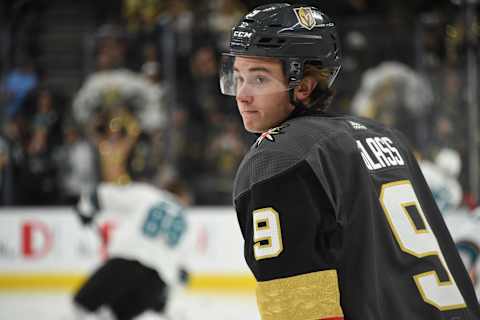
(295, 34)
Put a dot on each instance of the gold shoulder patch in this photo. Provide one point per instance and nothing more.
(308, 296)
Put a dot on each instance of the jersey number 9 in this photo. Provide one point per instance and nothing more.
(267, 235)
(420, 242)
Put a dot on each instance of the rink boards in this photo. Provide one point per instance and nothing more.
(48, 249)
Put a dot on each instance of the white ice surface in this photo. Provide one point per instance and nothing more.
(192, 306)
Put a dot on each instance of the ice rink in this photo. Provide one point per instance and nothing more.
(192, 306)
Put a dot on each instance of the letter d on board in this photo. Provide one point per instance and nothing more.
(36, 239)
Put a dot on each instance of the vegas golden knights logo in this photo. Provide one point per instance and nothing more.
(305, 17)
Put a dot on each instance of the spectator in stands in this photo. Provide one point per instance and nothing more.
(224, 152)
(6, 173)
(176, 28)
(206, 99)
(113, 85)
(77, 164)
(111, 43)
(177, 129)
(40, 174)
(178, 16)
(47, 116)
(18, 83)
(150, 53)
(156, 122)
(15, 133)
(202, 113)
(155, 111)
(141, 15)
(397, 96)
(114, 136)
(223, 15)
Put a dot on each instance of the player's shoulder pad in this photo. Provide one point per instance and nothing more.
(280, 149)
(262, 164)
(297, 136)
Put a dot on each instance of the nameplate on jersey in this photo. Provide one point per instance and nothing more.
(379, 153)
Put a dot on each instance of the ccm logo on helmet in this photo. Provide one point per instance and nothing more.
(242, 34)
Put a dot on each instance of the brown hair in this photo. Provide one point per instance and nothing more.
(322, 95)
(179, 189)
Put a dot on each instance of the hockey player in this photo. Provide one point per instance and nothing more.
(442, 178)
(464, 226)
(143, 255)
(336, 216)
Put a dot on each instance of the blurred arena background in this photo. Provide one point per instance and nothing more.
(127, 90)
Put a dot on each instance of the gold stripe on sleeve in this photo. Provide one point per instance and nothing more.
(304, 297)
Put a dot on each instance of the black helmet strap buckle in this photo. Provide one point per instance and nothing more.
(294, 72)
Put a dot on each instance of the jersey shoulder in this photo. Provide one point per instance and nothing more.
(298, 136)
(282, 148)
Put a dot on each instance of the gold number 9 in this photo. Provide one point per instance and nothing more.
(420, 242)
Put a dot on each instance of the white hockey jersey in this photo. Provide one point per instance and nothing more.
(446, 190)
(464, 228)
(149, 226)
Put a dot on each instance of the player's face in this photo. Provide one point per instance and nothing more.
(262, 95)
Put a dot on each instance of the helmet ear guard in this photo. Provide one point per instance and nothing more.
(294, 72)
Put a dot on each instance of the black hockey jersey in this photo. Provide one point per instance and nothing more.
(339, 223)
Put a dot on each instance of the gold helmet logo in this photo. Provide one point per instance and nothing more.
(305, 17)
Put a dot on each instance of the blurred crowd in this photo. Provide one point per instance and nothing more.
(149, 106)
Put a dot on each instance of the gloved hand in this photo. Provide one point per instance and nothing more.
(184, 276)
(87, 207)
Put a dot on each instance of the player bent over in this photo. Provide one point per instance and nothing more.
(336, 216)
(144, 253)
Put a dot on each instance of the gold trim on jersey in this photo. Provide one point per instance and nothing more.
(410, 219)
(426, 230)
(417, 279)
(309, 296)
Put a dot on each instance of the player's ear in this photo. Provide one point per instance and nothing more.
(304, 89)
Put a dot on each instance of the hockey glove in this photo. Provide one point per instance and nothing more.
(184, 276)
(87, 207)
